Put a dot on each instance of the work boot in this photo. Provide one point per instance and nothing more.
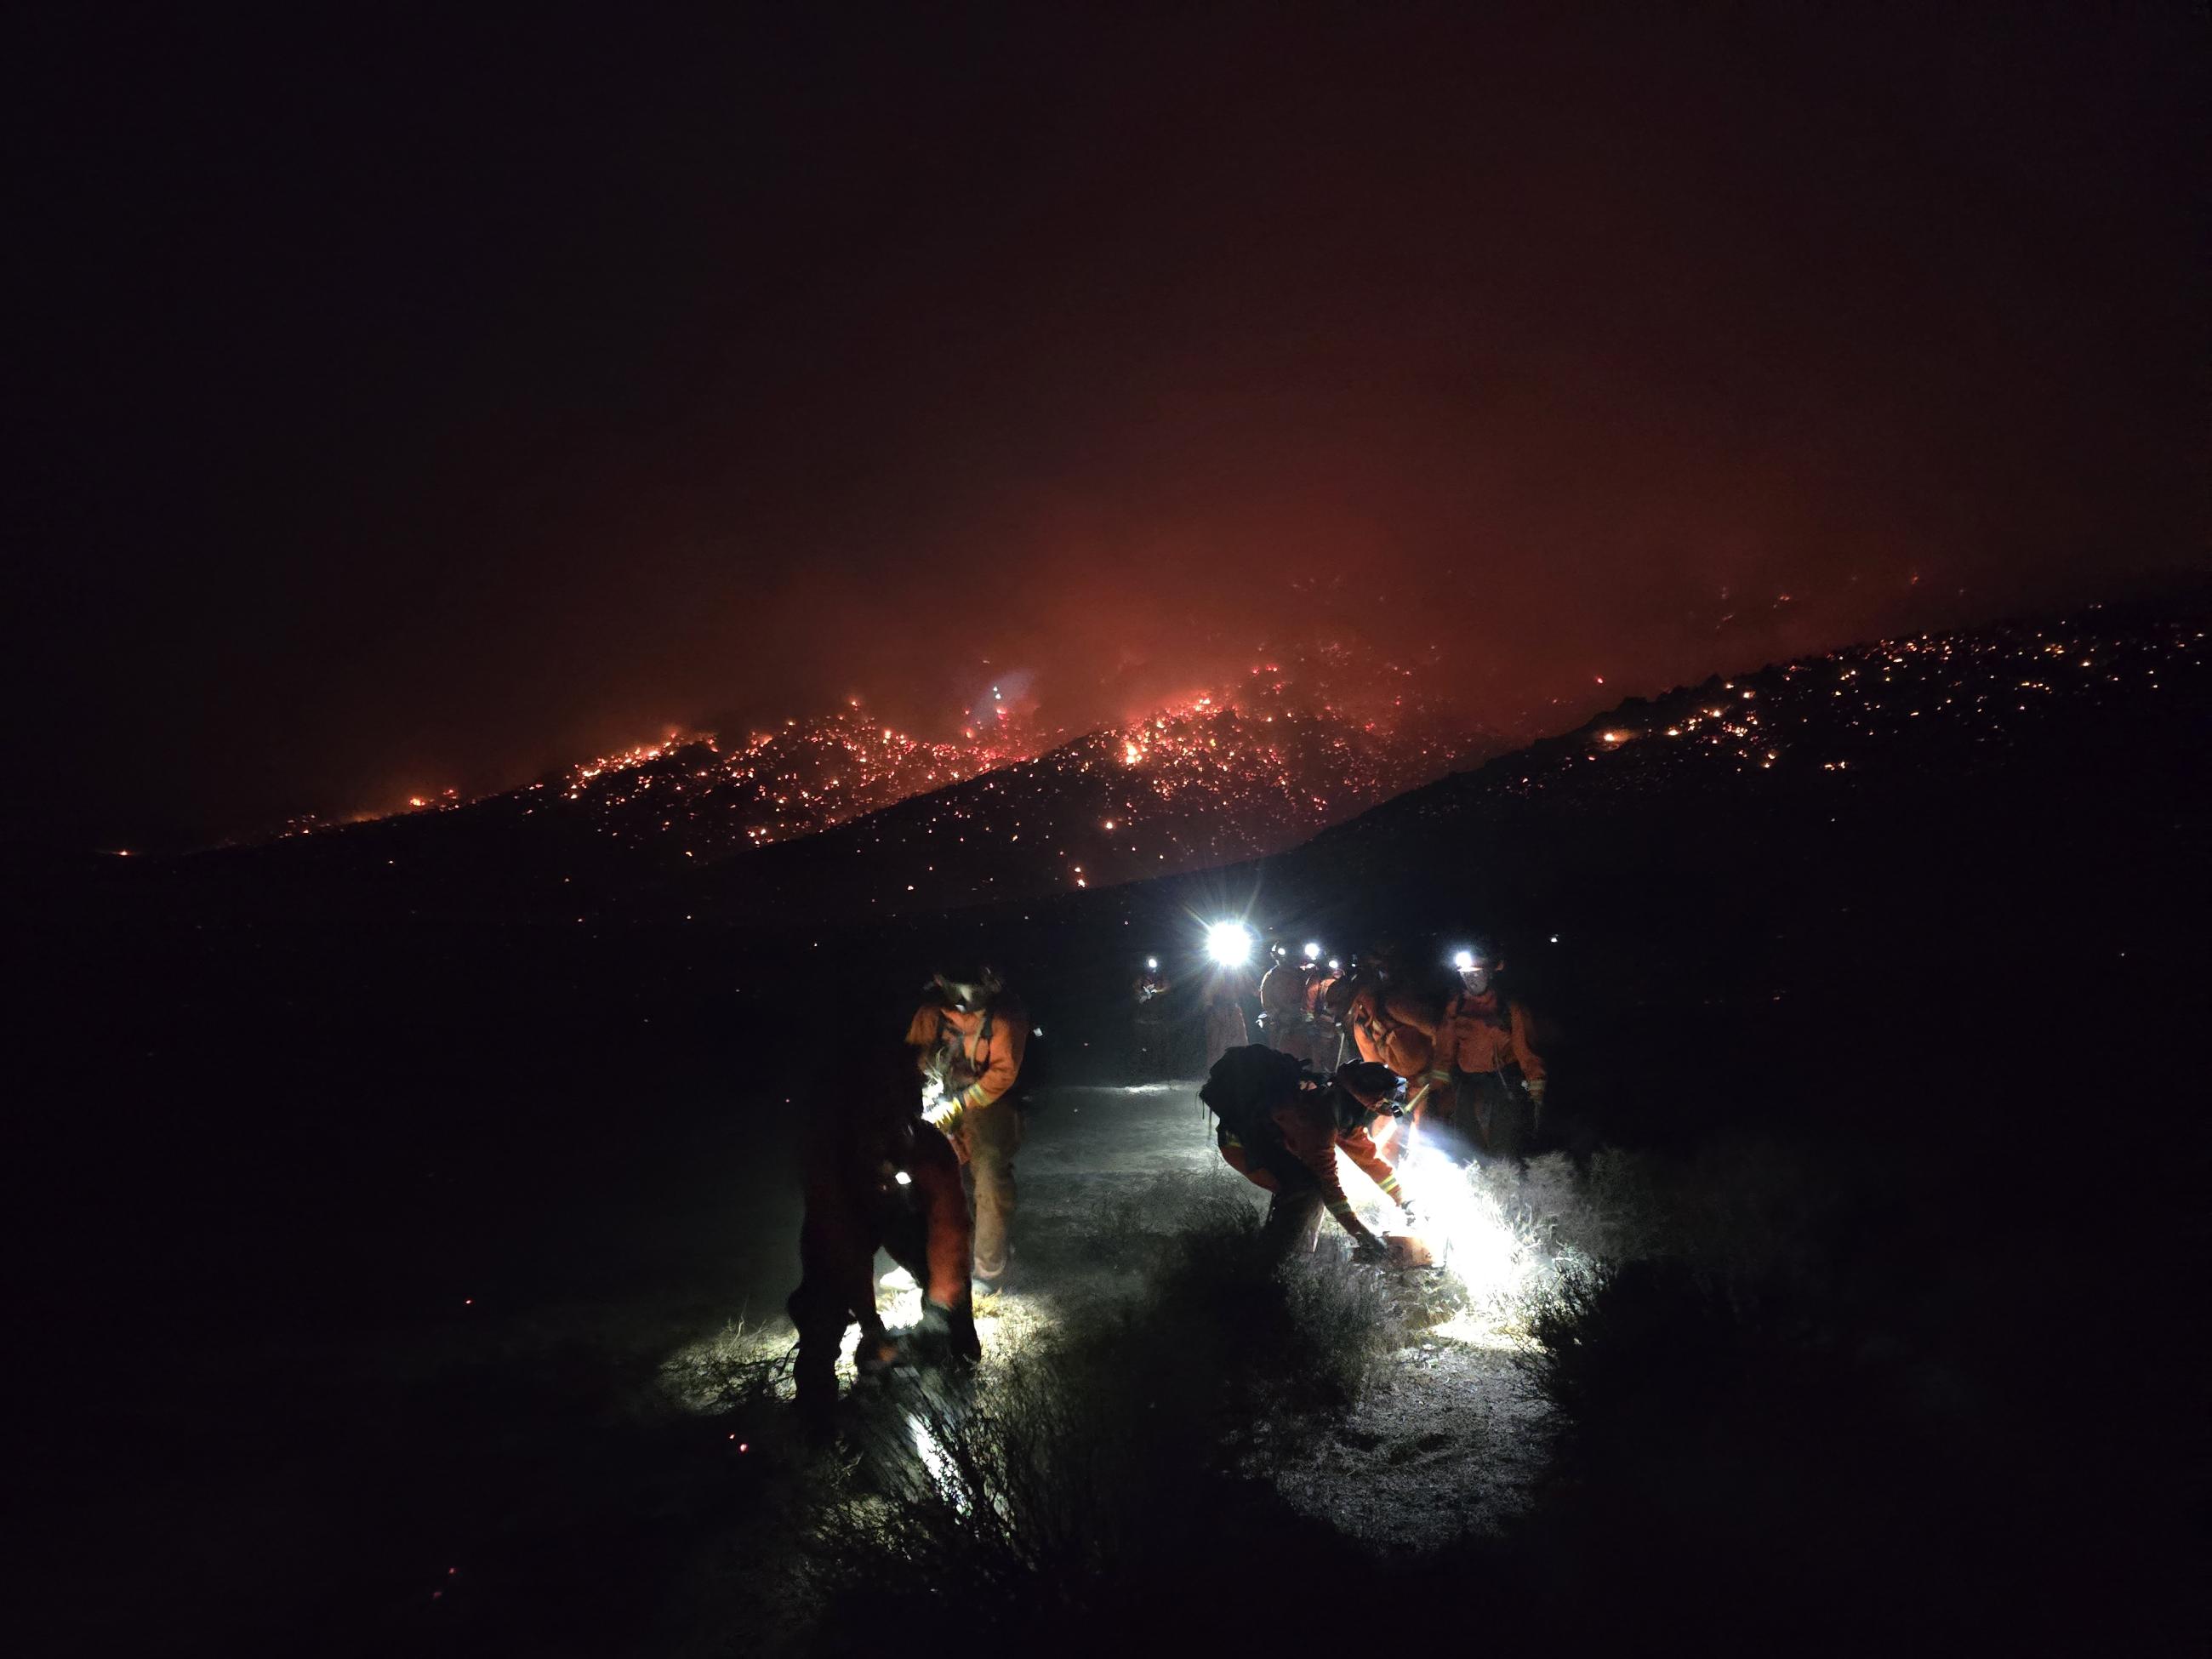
(953, 1329)
(875, 1353)
(982, 1285)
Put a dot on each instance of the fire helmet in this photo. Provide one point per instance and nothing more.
(1367, 1081)
(968, 986)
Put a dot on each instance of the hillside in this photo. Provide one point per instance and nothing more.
(1838, 727)
(1229, 771)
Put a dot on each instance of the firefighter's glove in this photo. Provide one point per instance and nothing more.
(1535, 1086)
(944, 1115)
(1371, 1251)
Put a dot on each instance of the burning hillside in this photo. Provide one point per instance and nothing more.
(1299, 742)
(844, 817)
(1228, 783)
(1221, 773)
(1227, 773)
(1950, 699)
(702, 797)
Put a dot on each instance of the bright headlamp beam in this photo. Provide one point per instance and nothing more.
(1313, 952)
(1463, 960)
(1229, 943)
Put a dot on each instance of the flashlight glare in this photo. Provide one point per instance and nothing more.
(903, 1178)
(1463, 960)
(1313, 952)
(1229, 943)
(1470, 1236)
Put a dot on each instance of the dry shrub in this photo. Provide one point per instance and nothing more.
(1059, 1490)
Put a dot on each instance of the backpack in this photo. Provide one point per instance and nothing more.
(1246, 1084)
(948, 1063)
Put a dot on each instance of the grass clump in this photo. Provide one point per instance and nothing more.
(1059, 1489)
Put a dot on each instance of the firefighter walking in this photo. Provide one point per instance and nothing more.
(1485, 1082)
(1225, 1014)
(1283, 1003)
(968, 1037)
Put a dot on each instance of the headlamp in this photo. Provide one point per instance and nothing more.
(1229, 943)
(1313, 952)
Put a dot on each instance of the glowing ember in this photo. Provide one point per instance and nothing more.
(1295, 744)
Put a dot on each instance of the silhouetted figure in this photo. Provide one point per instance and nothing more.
(877, 1177)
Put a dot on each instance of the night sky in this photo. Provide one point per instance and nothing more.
(409, 402)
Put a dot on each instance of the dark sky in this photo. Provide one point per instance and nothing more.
(409, 401)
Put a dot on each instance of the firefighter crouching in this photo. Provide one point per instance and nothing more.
(1486, 1081)
(1281, 1127)
(876, 1177)
(968, 1038)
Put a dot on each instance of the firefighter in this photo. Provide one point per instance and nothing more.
(1153, 1034)
(1281, 1128)
(1325, 1035)
(1389, 1022)
(1283, 1004)
(1224, 1013)
(968, 1036)
(877, 1177)
(1485, 1082)
(1345, 1038)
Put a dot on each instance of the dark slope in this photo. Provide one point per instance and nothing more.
(1928, 762)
